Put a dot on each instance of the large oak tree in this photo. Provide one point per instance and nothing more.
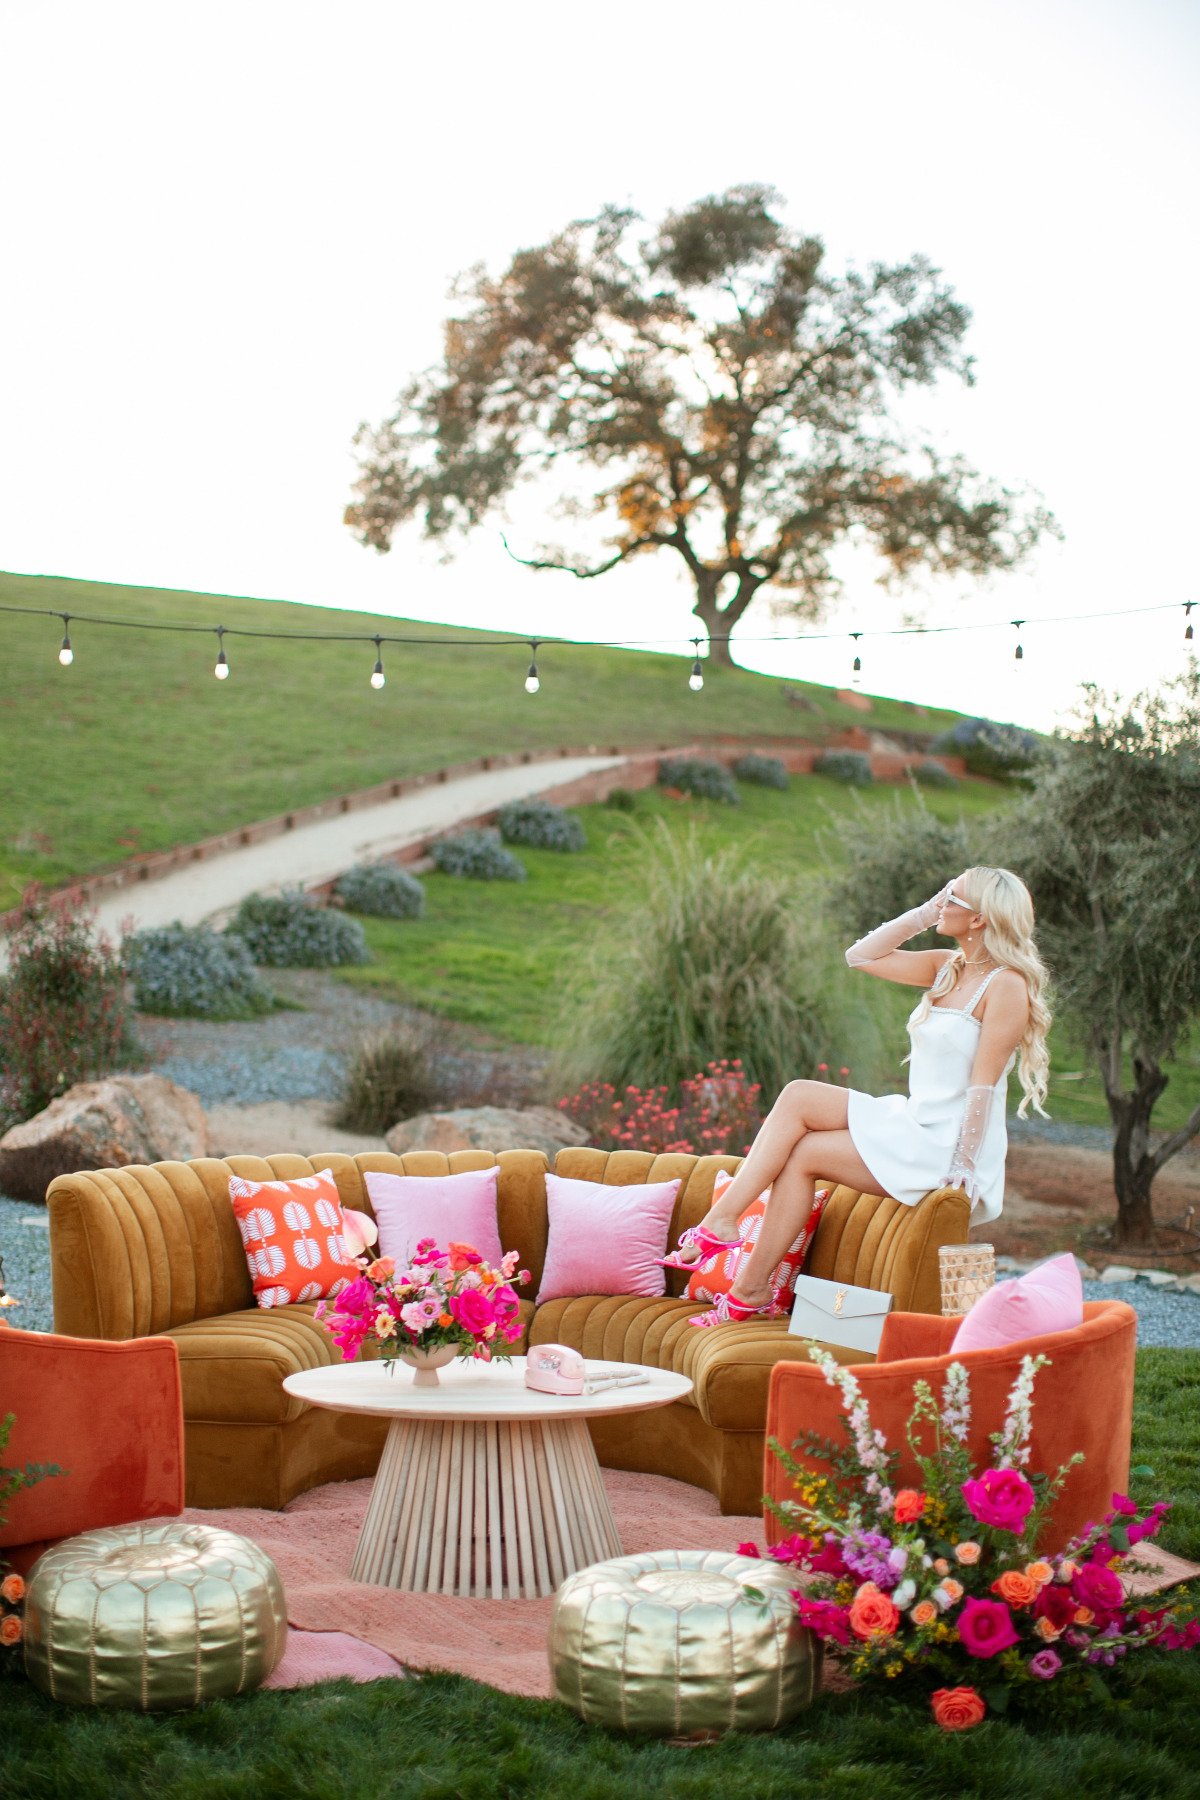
(709, 388)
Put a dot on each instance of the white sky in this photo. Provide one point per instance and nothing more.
(228, 233)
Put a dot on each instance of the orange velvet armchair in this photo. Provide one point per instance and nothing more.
(109, 1414)
(1082, 1401)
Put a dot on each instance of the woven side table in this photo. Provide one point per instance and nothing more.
(967, 1272)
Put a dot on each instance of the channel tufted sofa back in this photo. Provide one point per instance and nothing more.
(148, 1250)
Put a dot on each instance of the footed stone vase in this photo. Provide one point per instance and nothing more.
(426, 1363)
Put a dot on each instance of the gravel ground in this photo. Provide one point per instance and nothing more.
(1164, 1319)
(1050, 1131)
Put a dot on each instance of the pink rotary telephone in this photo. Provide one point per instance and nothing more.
(554, 1369)
(557, 1369)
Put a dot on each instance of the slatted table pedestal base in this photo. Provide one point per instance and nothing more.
(496, 1508)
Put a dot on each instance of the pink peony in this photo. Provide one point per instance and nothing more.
(1001, 1498)
(473, 1311)
(823, 1617)
(1098, 1589)
(985, 1627)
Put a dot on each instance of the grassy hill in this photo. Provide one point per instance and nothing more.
(136, 747)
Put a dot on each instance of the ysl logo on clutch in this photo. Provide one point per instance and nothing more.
(839, 1300)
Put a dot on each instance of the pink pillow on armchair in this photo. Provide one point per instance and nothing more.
(603, 1240)
(1047, 1298)
(461, 1208)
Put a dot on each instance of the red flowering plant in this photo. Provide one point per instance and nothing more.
(716, 1113)
(442, 1297)
(938, 1589)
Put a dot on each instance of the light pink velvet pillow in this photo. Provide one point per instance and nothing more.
(1048, 1298)
(458, 1208)
(603, 1240)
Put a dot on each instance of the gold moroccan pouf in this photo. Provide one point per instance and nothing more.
(153, 1616)
(671, 1643)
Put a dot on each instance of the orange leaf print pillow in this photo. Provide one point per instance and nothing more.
(294, 1236)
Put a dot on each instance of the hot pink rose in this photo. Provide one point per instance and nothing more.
(473, 1310)
(1001, 1498)
(1098, 1589)
(985, 1627)
(505, 1302)
(823, 1617)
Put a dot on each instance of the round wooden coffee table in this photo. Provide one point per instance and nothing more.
(485, 1487)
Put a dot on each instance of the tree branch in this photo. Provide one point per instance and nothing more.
(566, 568)
(1177, 1141)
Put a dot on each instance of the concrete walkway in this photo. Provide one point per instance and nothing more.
(207, 891)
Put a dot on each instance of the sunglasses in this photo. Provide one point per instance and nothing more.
(953, 899)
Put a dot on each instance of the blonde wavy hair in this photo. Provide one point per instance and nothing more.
(1007, 909)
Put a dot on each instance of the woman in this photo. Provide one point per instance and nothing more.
(983, 1010)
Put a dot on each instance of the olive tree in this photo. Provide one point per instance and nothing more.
(707, 387)
(1106, 836)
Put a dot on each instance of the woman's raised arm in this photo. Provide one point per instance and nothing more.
(879, 952)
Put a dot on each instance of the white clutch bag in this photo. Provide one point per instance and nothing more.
(836, 1313)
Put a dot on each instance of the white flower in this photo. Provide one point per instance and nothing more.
(905, 1594)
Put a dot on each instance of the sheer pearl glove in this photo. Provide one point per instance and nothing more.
(888, 937)
(971, 1133)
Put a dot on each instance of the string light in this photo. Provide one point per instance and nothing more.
(532, 683)
(696, 678)
(377, 675)
(856, 669)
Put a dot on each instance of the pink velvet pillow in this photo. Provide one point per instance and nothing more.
(603, 1240)
(1048, 1298)
(461, 1208)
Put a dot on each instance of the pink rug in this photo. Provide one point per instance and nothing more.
(313, 1656)
(501, 1642)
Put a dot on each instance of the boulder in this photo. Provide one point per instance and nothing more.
(102, 1125)
(487, 1128)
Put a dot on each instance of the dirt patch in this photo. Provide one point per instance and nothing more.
(1062, 1198)
(277, 1126)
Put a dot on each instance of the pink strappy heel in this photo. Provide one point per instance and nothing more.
(728, 1311)
(704, 1241)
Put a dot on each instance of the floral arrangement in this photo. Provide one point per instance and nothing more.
(939, 1589)
(448, 1297)
(12, 1585)
(717, 1113)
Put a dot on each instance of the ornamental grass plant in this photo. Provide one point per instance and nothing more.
(716, 961)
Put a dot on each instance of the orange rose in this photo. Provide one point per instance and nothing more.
(924, 1613)
(382, 1269)
(1017, 1589)
(957, 1709)
(1041, 1572)
(10, 1629)
(909, 1506)
(445, 1318)
(1084, 1615)
(968, 1553)
(941, 1565)
(1047, 1630)
(12, 1589)
(953, 1590)
(872, 1614)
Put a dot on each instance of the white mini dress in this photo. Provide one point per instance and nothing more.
(908, 1141)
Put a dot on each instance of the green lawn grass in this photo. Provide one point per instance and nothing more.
(497, 954)
(136, 747)
(444, 1738)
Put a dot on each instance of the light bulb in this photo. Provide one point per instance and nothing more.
(377, 676)
(66, 655)
(532, 684)
(222, 669)
(856, 672)
(696, 678)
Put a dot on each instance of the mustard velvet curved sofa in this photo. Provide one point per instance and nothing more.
(154, 1250)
